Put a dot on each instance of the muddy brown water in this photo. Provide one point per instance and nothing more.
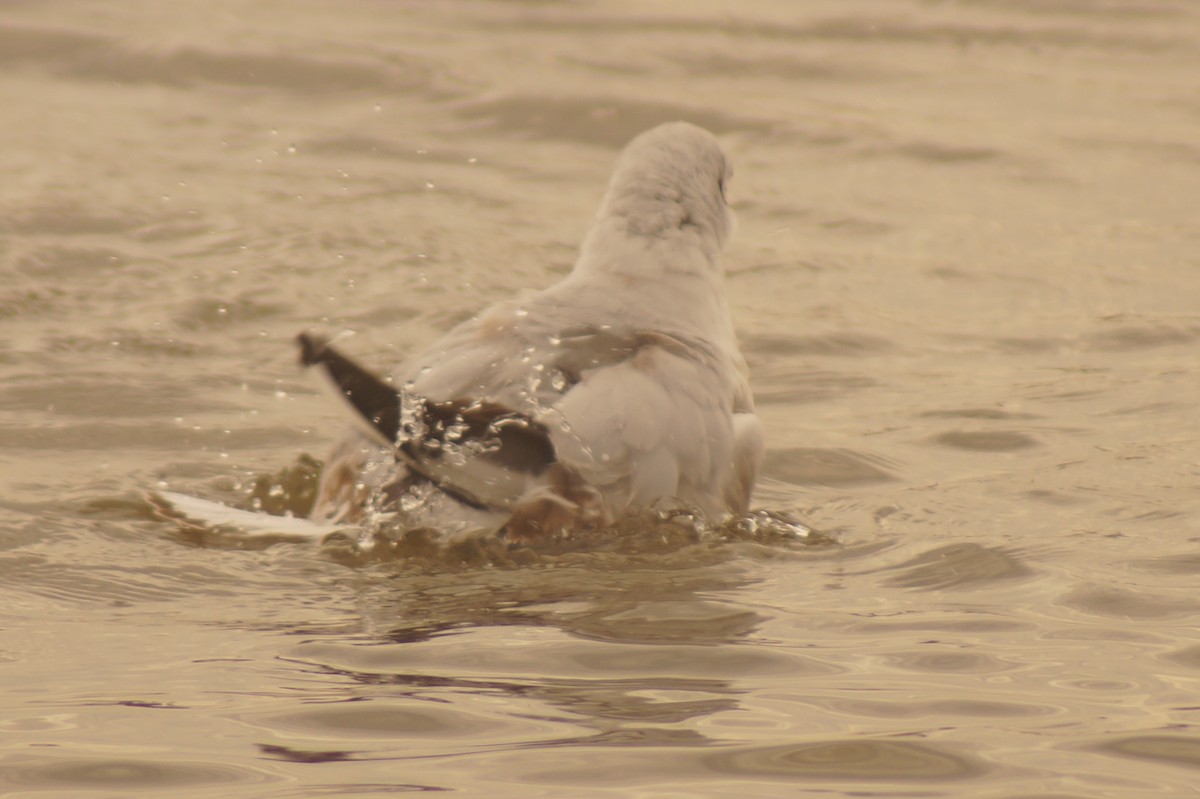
(967, 278)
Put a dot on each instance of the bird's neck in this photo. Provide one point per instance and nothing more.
(675, 280)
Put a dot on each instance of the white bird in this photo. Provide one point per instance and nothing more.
(620, 388)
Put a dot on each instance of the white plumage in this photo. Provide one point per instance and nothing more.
(618, 389)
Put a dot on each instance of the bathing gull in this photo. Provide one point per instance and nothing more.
(618, 389)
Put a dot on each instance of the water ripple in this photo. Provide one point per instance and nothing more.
(855, 760)
(1172, 750)
(828, 467)
(605, 121)
(122, 774)
(94, 57)
(959, 566)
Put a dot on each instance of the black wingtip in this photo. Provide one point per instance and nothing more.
(313, 349)
(376, 401)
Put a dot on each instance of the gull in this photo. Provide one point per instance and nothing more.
(618, 390)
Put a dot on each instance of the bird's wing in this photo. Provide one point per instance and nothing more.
(482, 453)
(493, 356)
(655, 424)
(640, 416)
(376, 403)
(193, 512)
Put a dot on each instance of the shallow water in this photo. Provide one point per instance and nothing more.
(966, 280)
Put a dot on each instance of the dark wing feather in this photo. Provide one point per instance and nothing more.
(376, 401)
(479, 452)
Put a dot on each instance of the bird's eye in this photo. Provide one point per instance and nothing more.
(721, 186)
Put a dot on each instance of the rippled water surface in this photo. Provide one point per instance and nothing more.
(967, 277)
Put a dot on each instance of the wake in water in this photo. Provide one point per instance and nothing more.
(273, 509)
